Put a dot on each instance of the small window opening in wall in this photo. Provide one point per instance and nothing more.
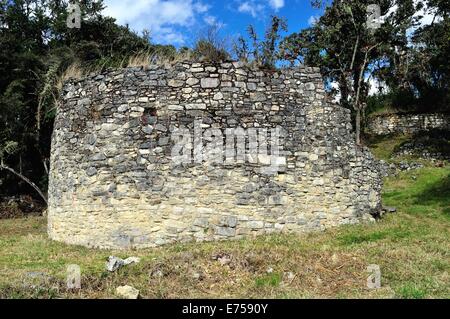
(151, 111)
(149, 116)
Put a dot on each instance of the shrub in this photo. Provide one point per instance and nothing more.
(210, 46)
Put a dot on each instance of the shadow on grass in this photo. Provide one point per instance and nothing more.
(367, 236)
(438, 194)
(383, 146)
(435, 141)
(373, 141)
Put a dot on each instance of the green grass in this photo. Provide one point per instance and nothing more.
(271, 280)
(384, 146)
(424, 193)
(391, 234)
(409, 291)
(412, 248)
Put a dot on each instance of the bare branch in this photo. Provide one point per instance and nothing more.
(24, 178)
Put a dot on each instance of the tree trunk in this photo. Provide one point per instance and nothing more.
(358, 126)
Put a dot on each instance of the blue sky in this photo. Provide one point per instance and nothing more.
(178, 22)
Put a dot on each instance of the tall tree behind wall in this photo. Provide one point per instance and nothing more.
(348, 49)
(36, 49)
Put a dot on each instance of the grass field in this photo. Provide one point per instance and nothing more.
(412, 248)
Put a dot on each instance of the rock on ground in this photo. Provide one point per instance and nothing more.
(115, 263)
(127, 292)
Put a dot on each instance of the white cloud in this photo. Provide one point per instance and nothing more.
(212, 21)
(201, 7)
(276, 4)
(337, 96)
(423, 16)
(376, 87)
(161, 17)
(313, 20)
(251, 8)
(256, 8)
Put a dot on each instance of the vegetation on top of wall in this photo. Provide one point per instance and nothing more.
(403, 103)
(262, 52)
(390, 148)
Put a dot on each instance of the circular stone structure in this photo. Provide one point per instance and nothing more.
(203, 151)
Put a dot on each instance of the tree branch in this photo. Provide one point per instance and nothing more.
(24, 178)
(354, 53)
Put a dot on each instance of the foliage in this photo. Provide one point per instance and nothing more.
(210, 46)
(383, 147)
(345, 60)
(406, 56)
(38, 53)
(416, 68)
(264, 52)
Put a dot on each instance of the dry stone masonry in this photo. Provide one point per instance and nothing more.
(117, 180)
(407, 123)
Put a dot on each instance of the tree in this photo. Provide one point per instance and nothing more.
(262, 52)
(210, 45)
(36, 49)
(428, 70)
(347, 49)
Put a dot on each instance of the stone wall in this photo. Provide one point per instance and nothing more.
(407, 123)
(116, 180)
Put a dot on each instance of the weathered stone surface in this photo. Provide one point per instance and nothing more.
(91, 171)
(114, 182)
(114, 263)
(407, 123)
(218, 96)
(209, 83)
(251, 86)
(258, 97)
(175, 83)
(310, 86)
(127, 292)
(175, 107)
(192, 81)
